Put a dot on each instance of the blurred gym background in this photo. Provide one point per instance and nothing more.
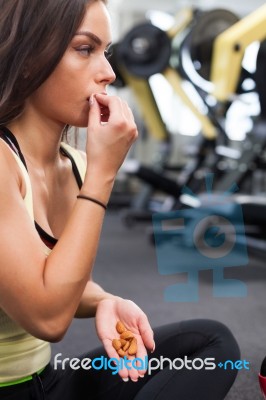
(193, 73)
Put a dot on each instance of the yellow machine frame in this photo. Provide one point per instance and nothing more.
(229, 49)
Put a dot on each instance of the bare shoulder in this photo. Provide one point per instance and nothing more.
(9, 169)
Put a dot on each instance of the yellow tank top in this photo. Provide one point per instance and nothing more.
(21, 354)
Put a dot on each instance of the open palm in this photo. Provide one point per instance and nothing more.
(109, 312)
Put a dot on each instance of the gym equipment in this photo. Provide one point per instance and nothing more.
(197, 49)
(260, 78)
(198, 43)
(262, 378)
(139, 50)
(152, 119)
(147, 50)
(144, 51)
(229, 48)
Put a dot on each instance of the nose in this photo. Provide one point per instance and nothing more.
(106, 74)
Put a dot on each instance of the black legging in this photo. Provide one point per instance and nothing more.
(193, 338)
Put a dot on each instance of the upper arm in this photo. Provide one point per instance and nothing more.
(21, 252)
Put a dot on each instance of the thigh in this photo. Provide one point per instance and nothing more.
(15, 393)
(191, 339)
(34, 389)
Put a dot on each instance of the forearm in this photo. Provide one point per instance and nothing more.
(75, 252)
(91, 297)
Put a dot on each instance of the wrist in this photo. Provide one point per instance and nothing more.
(100, 176)
(108, 296)
(99, 188)
(93, 200)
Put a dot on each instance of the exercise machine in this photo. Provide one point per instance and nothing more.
(201, 35)
(262, 378)
(135, 59)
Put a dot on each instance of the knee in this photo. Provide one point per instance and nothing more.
(223, 336)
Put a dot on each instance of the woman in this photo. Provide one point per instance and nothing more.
(54, 74)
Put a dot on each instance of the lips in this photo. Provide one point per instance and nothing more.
(105, 114)
(104, 93)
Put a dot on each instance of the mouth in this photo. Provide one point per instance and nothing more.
(104, 111)
(104, 93)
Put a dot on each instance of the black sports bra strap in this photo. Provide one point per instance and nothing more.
(74, 166)
(10, 139)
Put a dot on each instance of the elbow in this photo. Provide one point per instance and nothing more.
(53, 336)
(55, 331)
(52, 331)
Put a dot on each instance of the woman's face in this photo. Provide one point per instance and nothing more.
(83, 70)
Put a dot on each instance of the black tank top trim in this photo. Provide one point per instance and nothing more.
(47, 239)
(12, 142)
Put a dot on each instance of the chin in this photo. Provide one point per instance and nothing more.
(81, 122)
(81, 125)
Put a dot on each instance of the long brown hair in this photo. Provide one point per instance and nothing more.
(34, 34)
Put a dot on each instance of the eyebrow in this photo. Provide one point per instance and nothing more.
(93, 37)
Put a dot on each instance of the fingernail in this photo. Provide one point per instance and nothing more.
(141, 376)
(134, 380)
(91, 100)
(125, 379)
(153, 348)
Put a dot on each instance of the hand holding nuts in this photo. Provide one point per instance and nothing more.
(120, 327)
(127, 344)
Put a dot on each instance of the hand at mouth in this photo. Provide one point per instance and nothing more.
(105, 113)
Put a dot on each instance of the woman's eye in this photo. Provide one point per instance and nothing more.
(85, 50)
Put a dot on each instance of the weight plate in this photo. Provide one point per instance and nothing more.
(199, 41)
(145, 50)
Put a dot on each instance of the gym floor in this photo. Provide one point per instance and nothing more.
(126, 265)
